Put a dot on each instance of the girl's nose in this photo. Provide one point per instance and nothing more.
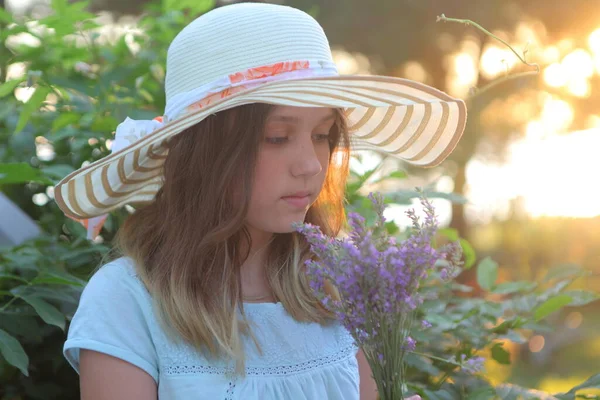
(306, 161)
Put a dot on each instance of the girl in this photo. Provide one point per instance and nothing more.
(209, 299)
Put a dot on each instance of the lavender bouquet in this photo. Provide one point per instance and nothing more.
(377, 279)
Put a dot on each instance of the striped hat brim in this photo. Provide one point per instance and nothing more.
(403, 118)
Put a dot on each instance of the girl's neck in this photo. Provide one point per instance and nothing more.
(255, 285)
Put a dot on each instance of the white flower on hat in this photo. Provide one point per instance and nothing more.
(131, 130)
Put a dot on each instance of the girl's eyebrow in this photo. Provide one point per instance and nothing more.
(296, 120)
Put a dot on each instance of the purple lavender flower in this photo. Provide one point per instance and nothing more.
(378, 278)
(410, 344)
(473, 365)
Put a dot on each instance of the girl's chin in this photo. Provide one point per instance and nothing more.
(286, 227)
(281, 223)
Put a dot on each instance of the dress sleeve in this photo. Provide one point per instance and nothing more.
(112, 318)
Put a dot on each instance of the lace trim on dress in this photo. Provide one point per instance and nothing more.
(280, 370)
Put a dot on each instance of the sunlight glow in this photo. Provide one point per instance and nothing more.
(554, 174)
(557, 115)
(496, 61)
(534, 130)
(580, 87)
(573, 73)
(462, 73)
(579, 63)
(545, 175)
(574, 320)
(550, 54)
(594, 41)
(555, 75)
(414, 70)
(465, 69)
(345, 63)
(536, 343)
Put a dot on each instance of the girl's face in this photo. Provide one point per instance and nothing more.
(292, 164)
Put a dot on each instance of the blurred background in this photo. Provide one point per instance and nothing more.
(528, 164)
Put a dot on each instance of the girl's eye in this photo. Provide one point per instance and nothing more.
(276, 140)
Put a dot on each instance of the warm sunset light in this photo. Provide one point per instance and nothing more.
(536, 344)
(557, 115)
(579, 87)
(579, 63)
(555, 75)
(496, 61)
(594, 41)
(466, 71)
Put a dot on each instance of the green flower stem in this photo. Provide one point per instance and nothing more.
(4, 307)
(435, 358)
(490, 34)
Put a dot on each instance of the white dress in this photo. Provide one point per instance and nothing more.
(300, 360)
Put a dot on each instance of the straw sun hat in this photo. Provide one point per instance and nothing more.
(261, 53)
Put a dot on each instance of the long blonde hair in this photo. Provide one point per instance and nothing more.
(187, 243)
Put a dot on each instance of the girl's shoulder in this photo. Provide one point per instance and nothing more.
(114, 316)
(114, 288)
(117, 275)
(122, 267)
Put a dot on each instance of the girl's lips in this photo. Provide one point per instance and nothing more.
(297, 201)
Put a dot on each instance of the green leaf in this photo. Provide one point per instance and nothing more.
(513, 392)
(592, 382)
(20, 325)
(441, 322)
(565, 271)
(67, 132)
(391, 227)
(21, 173)
(13, 352)
(461, 288)
(60, 7)
(104, 124)
(509, 324)
(483, 393)
(487, 273)
(439, 395)
(50, 314)
(393, 175)
(514, 336)
(196, 6)
(551, 305)
(58, 278)
(421, 363)
(581, 297)
(7, 276)
(5, 17)
(65, 119)
(468, 253)
(500, 354)
(9, 87)
(41, 292)
(58, 171)
(31, 106)
(514, 287)
(450, 233)
(398, 175)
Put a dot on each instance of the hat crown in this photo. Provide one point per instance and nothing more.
(237, 37)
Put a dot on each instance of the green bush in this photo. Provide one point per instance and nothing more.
(82, 88)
